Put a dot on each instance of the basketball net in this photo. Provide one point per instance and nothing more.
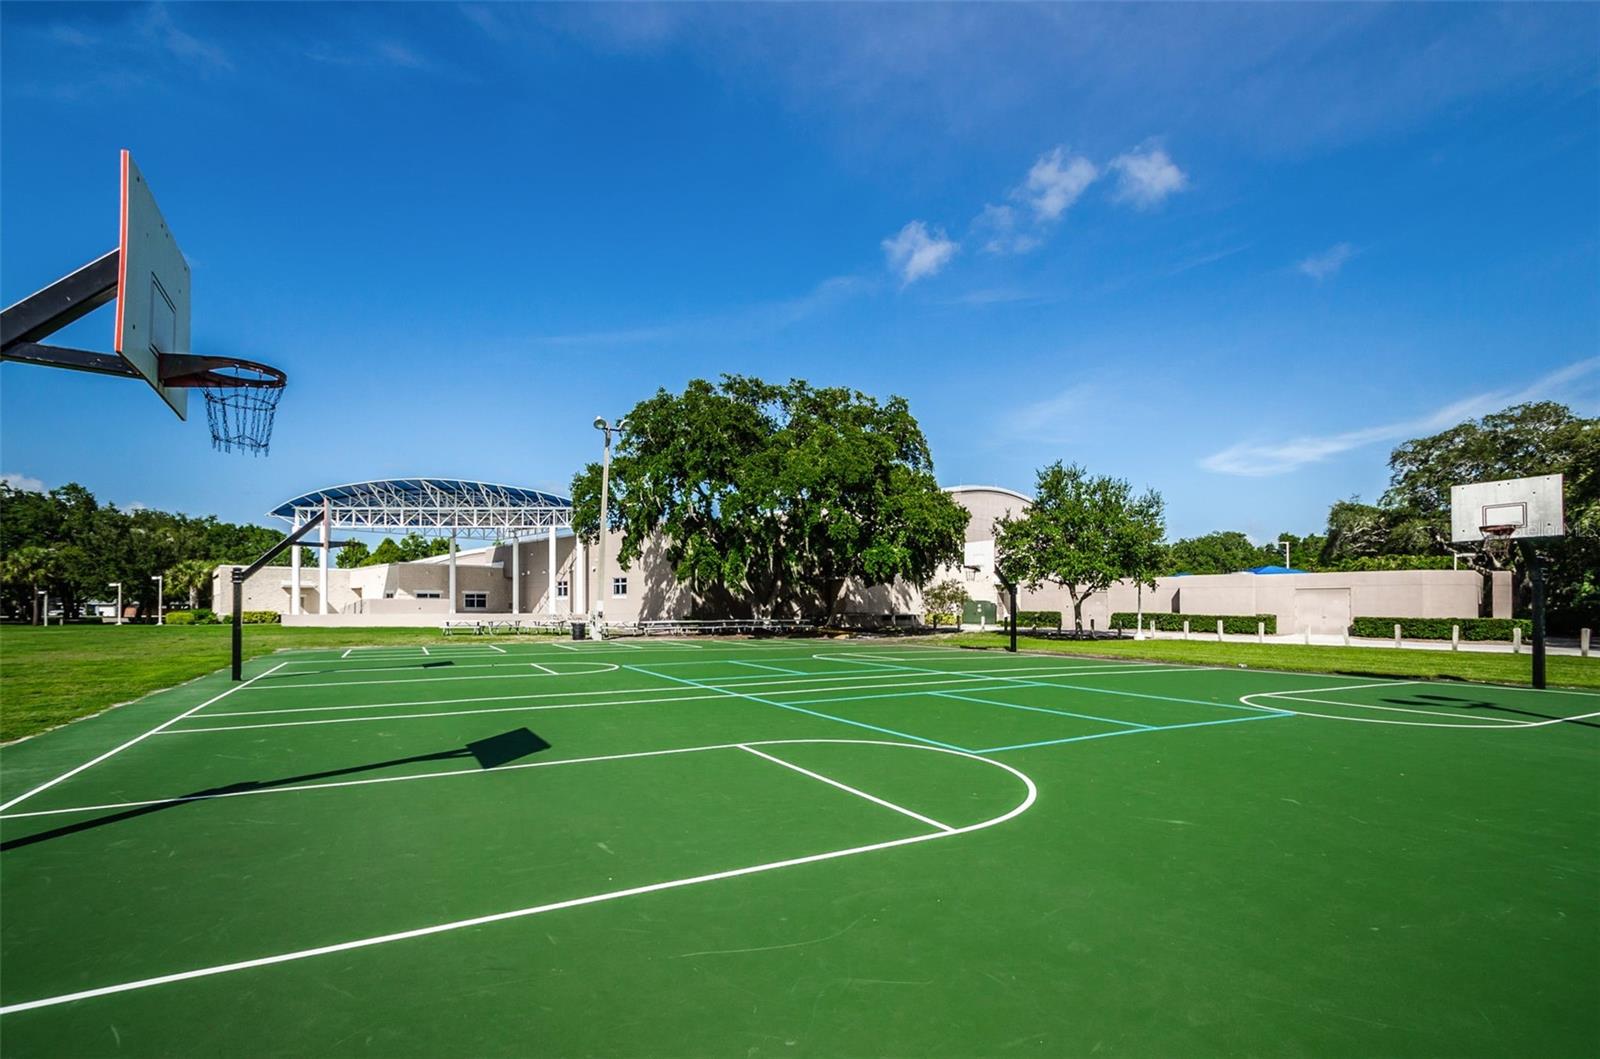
(1497, 543)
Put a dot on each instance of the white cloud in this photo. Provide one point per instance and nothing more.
(1055, 182)
(997, 227)
(916, 253)
(23, 483)
(184, 46)
(1147, 176)
(1055, 418)
(1265, 459)
(1328, 263)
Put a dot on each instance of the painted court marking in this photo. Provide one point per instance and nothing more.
(852, 790)
(1021, 807)
(1286, 700)
(135, 740)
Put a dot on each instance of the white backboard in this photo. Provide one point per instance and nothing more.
(1533, 505)
(152, 287)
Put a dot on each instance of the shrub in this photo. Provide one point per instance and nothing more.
(191, 617)
(1237, 624)
(255, 617)
(1038, 619)
(1439, 628)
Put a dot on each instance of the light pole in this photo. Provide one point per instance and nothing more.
(44, 609)
(161, 618)
(118, 586)
(1285, 546)
(596, 626)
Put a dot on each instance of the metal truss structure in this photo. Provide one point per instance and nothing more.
(433, 506)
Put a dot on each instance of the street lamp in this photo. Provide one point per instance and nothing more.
(1285, 546)
(605, 428)
(44, 609)
(161, 618)
(118, 586)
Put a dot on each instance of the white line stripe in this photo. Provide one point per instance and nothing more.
(136, 739)
(440, 928)
(546, 669)
(517, 667)
(1337, 687)
(846, 787)
(424, 650)
(1401, 709)
(492, 647)
(569, 695)
(347, 652)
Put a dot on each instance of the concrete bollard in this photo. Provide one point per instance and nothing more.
(1397, 634)
(1185, 630)
(1516, 639)
(1455, 637)
(1261, 632)
(1219, 630)
(1583, 642)
(1308, 636)
(1152, 628)
(1347, 636)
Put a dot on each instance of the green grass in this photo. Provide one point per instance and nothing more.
(1195, 877)
(55, 674)
(1560, 670)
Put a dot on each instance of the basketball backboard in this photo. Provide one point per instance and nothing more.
(1532, 506)
(152, 288)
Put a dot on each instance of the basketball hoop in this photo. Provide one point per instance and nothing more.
(241, 397)
(1497, 542)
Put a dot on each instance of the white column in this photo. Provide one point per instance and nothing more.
(294, 573)
(516, 576)
(579, 590)
(550, 588)
(451, 609)
(322, 573)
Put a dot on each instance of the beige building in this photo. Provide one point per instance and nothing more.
(547, 575)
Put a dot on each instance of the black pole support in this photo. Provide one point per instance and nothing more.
(1536, 575)
(45, 312)
(243, 574)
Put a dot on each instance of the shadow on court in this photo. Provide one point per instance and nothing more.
(1478, 704)
(490, 753)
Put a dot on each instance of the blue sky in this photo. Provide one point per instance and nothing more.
(1231, 252)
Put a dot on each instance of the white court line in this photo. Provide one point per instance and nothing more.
(136, 739)
(846, 787)
(569, 695)
(759, 665)
(424, 650)
(1336, 687)
(546, 669)
(492, 647)
(1498, 724)
(440, 928)
(347, 652)
(516, 667)
(1401, 709)
(425, 716)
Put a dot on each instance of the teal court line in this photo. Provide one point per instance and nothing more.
(775, 669)
(1038, 709)
(1145, 731)
(1077, 687)
(796, 709)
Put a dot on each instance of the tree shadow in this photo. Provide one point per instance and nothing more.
(1422, 699)
(490, 753)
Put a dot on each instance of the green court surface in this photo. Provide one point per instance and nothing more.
(768, 848)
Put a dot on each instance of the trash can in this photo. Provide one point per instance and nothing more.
(580, 630)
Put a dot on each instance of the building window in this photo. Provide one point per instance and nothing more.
(388, 595)
(474, 601)
(561, 589)
(429, 595)
(619, 586)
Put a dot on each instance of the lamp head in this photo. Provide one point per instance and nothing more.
(600, 423)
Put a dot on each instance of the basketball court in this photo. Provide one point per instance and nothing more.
(783, 847)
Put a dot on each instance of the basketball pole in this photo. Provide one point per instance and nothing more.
(1536, 576)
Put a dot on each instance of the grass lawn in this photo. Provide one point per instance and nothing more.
(56, 674)
(1560, 670)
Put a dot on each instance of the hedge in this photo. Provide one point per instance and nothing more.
(1439, 628)
(1237, 624)
(1038, 619)
(255, 617)
(191, 617)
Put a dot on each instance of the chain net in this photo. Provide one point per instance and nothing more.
(241, 416)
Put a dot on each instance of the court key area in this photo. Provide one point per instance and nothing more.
(808, 847)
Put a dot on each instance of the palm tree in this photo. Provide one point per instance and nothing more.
(190, 575)
(25, 569)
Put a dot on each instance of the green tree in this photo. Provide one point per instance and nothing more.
(1139, 540)
(24, 571)
(352, 555)
(943, 601)
(387, 551)
(1079, 533)
(192, 576)
(786, 493)
(1223, 552)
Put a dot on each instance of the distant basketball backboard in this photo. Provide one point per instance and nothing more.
(152, 288)
(1531, 507)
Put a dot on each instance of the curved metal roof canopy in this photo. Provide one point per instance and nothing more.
(434, 505)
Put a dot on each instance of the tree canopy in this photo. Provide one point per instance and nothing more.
(1082, 532)
(785, 492)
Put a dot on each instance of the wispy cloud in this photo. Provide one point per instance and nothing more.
(1146, 177)
(1328, 263)
(160, 27)
(996, 227)
(1056, 181)
(1055, 418)
(22, 482)
(1265, 459)
(916, 252)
